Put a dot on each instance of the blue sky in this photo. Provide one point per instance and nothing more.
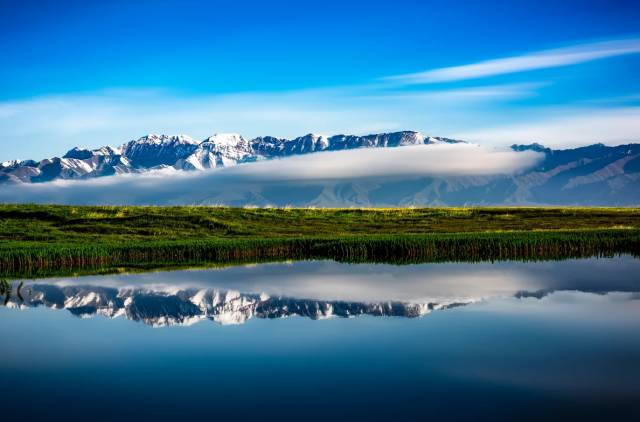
(90, 73)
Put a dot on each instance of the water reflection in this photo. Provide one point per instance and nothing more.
(536, 341)
(316, 290)
(185, 307)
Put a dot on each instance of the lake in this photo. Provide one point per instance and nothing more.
(323, 340)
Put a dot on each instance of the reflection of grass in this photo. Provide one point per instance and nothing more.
(5, 287)
(53, 239)
(5, 290)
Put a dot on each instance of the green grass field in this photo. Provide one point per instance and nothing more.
(43, 239)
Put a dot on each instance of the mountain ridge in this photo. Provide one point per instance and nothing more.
(186, 306)
(589, 175)
(184, 153)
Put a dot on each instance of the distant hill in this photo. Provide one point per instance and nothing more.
(591, 175)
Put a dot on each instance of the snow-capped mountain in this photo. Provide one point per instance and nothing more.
(172, 306)
(590, 175)
(153, 150)
(181, 152)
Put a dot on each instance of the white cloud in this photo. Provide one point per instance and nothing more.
(408, 161)
(531, 61)
(565, 128)
(243, 183)
(48, 126)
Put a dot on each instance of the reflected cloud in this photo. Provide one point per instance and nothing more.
(160, 308)
(321, 289)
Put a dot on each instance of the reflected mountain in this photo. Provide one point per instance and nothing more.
(160, 308)
(315, 289)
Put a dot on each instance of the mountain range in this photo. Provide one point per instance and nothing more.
(591, 175)
(187, 306)
(161, 306)
(181, 152)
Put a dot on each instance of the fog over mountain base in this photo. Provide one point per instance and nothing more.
(415, 171)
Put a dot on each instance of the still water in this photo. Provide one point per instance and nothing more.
(323, 340)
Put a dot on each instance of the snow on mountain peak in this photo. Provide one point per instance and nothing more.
(227, 139)
(151, 138)
(219, 150)
(154, 139)
(9, 163)
(182, 152)
(185, 139)
(160, 307)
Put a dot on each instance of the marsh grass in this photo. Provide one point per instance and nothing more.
(41, 239)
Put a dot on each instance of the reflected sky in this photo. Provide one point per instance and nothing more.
(551, 340)
(316, 289)
(328, 280)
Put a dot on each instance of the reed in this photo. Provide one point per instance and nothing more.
(46, 239)
(51, 259)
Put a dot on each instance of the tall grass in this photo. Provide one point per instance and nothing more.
(473, 247)
(47, 239)
(30, 260)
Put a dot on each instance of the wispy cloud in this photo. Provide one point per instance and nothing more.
(532, 61)
(248, 183)
(46, 126)
(556, 127)
(491, 112)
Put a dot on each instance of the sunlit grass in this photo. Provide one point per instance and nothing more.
(61, 238)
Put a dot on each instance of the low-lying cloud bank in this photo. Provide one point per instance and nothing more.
(419, 160)
(245, 184)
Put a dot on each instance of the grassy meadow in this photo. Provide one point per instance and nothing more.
(47, 239)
